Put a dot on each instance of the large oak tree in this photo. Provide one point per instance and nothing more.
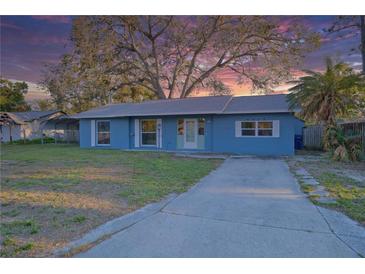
(173, 56)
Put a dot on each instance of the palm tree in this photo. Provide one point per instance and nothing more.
(325, 97)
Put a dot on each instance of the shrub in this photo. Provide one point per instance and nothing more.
(343, 147)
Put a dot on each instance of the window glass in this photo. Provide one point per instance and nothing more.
(201, 127)
(248, 132)
(148, 132)
(103, 132)
(103, 138)
(103, 126)
(248, 128)
(149, 125)
(190, 131)
(265, 125)
(149, 139)
(247, 125)
(265, 132)
(180, 127)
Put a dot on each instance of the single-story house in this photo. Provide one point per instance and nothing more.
(32, 124)
(257, 125)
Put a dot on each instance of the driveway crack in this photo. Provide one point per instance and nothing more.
(244, 223)
(336, 235)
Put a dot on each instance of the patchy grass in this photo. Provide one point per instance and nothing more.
(12, 247)
(350, 196)
(307, 188)
(51, 194)
(345, 181)
(19, 227)
(79, 219)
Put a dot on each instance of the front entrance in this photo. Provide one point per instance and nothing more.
(191, 133)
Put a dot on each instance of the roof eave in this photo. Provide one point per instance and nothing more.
(178, 114)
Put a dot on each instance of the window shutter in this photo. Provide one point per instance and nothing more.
(92, 133)
(276, 128)
(159, 129)
(136, 132)
(238, 132)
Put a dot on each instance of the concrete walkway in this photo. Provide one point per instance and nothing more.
(246, 208)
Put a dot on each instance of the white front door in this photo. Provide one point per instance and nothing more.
(190, 133)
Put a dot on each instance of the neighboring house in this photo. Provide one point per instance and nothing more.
(259, 125)
(31, 124)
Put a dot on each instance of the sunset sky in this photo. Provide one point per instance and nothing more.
(28, 42)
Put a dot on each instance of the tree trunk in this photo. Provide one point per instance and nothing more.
(362, 28)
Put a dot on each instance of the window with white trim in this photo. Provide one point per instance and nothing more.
(148, 132)
(103, 132)
(256, 128)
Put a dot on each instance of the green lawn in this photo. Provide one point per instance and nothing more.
(51, 194)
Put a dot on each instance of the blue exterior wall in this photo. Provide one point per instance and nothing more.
(219, 134)
(169, 132)
(85, 133)
(119, 133)
(298, 126)
(224, 139)
(119, 136)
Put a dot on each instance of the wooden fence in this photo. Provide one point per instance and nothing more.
(313, 135)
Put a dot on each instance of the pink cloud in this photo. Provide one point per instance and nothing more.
(53, 19)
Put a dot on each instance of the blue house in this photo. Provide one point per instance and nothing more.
(256, 125)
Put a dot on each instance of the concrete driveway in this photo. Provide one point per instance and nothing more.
(248, 207)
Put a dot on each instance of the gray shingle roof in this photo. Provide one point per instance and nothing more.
(32, 115)
(27, 116)
(258, 104)
(192, 105)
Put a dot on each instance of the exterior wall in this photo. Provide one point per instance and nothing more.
(119, 133)
(119, 136)
(85, 133)
(170, 139)
(219, 134)
(298, 126)
(224, 139)
(5, 133)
